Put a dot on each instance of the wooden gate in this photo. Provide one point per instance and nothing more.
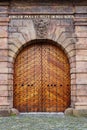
(41, 79)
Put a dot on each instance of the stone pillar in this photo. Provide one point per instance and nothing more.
(81, 63)
(4, 105)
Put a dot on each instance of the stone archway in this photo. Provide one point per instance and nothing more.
(65, 39)
(41, 78)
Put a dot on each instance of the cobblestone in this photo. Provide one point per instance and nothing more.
(42, 122)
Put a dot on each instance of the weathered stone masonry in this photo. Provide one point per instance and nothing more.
(69, 32)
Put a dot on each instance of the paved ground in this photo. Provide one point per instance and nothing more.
(43, 122)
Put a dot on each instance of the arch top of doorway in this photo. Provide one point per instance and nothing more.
(15, 46)
(41, 41)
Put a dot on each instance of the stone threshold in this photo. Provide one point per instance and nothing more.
(42, 113)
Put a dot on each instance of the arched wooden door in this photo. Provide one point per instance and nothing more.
(41, 79)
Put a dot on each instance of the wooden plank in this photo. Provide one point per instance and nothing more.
(41, 79)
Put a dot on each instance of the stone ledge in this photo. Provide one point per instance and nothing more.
(80, 112)
(76, 112)
(4, 113)
(9, 112)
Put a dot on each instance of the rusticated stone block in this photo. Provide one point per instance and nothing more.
(73, 76)
(3, 33)
(4, 70)
(82, 92)
(81, 105)
(73, 87)
(10, 88)
(81, 99)
(3, 52)
(72, 70)
(3, 93)
(4, 9)
(3, 24)
(10, 103)
(82, 46)
(81, 78)
(3, 64)
(72, 53)
(72, 59)
(3, 58)
(81, 29)
(3, 79)
(64, 35)
(3, 99)
(10, 75)
(10, 81)
(81, 52)
(70, 47)
(73, 81)
(15, 42)
(73, 93)
(10, 93)
(79, 86)
(81, 66)
(81, 34)
(67, 42)
(26, 32)
(5, 28)
(4, 19)
(81, 9)
(3, 87)
(10, 99)
(11, 53)
(19, 37)
(4, 106)
(13, 47)
(73, 65)
(81, 41)
(10, 65)
(81, 55)
(11, 59)
(10, 70)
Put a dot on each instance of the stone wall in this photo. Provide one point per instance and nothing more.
(22, 23)
(4, 85)
(81, 57)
